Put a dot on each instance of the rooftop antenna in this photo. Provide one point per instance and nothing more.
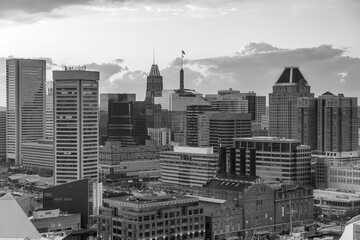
(153, 56)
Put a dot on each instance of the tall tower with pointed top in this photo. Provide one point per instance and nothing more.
(283, 103)
(154, 87)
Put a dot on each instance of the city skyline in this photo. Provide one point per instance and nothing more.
(229, 44)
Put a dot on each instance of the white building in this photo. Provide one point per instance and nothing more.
(76, 99)
(38, 155)
(188, 166)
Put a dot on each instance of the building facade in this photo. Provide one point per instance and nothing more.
(25, 104)
(307, 121)
(337, 124)
(151, 217)
(39, 156)
(193, 124)
(76, 96)
(159, 136)
(2, 135)
(188, 166)
(283, 113)
(277, 159)
(49, 110)
(223, 127)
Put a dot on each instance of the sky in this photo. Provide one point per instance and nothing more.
(239, 44)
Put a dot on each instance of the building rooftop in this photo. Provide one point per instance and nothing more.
(151, 201)
(272, 139)
(210, 200)
(336, 195)
(228, 185)
(154, 71)
(194, 150)
(291, 75)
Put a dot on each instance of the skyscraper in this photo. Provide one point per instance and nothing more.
(49, 109)
(25, 104)
(307, 121)
(154, 87)
(283, 103)
(224, 127)
(104, 111)
(337, 124)
(193, 124)
(126, 120)
(76, 96)
(2, 134)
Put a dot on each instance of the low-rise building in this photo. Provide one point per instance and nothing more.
(51, 220)
(151, 217)
(277, 159)
(188, 166)
(38, 156)
(336, 202)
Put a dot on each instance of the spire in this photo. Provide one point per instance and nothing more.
(153, 56)
(182, 72)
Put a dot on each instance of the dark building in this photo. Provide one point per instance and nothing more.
(154, 87)
(193, 123)
(72, 197)
(104, 111)
(223, 127)
(126, 121)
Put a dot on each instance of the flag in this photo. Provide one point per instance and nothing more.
(182, 53)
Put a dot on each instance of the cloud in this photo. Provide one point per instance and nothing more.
(256, 69)
(343, 75)
(257, 66)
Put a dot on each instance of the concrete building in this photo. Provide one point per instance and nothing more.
(188, 166)
(76, 97)
(39, 156)
(159, 136)
(25, 104)
(52, 221)
(2, 135)
(283, 113)
(175, 100)
(49, 110)
(152, 217)
(337, 124)
(230, 103)
(276, 159)
(223, 127)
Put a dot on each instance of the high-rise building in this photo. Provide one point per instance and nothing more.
(25, 104)
(2, 135)
(337, 124)
(76, 96)
(260, 109)
(159, 136)
(283, 103)
(193, 125)
(39, 156)
(154, 87)
(49, 109)
(224, 127)
(104, 111)
(307, 121)
(276, 159)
